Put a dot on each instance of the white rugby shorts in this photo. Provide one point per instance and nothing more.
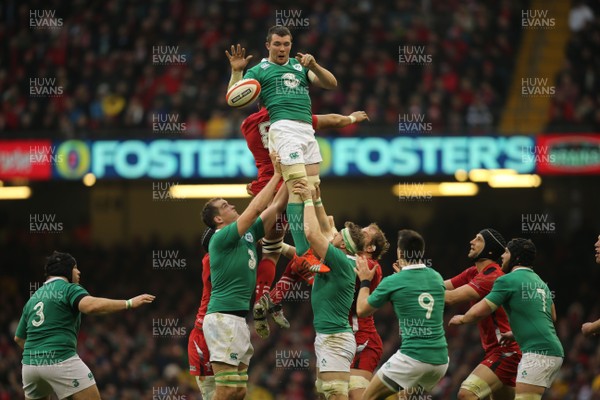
(295, 142)
(335, 351)
(402, 372)
(228, 339)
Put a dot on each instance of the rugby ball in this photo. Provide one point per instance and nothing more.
(242, 93)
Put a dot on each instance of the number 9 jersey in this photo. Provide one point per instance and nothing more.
(417, 295)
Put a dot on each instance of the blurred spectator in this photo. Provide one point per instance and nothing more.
(580, 15)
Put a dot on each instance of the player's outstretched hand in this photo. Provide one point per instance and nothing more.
(142, 299)
(316, 194)
(506, 338)
(237, 58)
(362, 269)
(301, 188)
(587, 329)
(360, 116)
(396, 266)
(456, 320)
(276, 161)
(306, 60)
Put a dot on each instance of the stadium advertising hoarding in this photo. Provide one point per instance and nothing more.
(29, 159)
(342, 157)
(568, 154)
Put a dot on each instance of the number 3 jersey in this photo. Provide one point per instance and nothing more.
(233, 263)
(417, 295)
(255, 129)
(50, 322)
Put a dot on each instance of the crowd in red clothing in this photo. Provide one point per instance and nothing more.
(576, 106)
(116, 66)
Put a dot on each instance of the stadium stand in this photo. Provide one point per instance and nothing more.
(104, 60)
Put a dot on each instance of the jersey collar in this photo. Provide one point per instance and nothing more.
(281, 65)
(56, 278)
(414, 266)
(527, 268)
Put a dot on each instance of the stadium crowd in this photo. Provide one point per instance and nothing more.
(577, 100)
(133, 356)
(104, 58)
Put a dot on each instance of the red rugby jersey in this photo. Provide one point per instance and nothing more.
(491, 326)
(365, 324)
(206, 290)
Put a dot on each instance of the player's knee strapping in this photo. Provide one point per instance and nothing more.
(528, 396)
(335, 387)
(477, 386)
(291, 173)
(206, 386)
(358, 382)
(272, 246)
(231, 379)
(319, 385)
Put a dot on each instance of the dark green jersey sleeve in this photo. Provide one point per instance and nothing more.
(381, 294)
(501, 291)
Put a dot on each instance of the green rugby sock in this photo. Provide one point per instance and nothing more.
(295, 216)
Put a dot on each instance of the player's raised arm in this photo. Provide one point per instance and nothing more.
(365, 275)
(318, 242)
(322, 217)
(238, 61)
(317, 74)
(269, 216)
(101, 305)
(261, 201)
(336, 121)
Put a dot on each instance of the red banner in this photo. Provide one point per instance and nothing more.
(26, 159)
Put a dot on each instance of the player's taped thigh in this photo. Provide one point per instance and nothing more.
(477, 386)
(206, 386)
(292, 172)
(528, 396)
(335, 387)
(231, 379)
(357, 382)
(272, 245)
(313, 180)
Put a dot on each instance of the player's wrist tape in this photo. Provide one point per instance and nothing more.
(318, 202)
(308, 202)
(128, 304)
(365, 283)
(352, 119)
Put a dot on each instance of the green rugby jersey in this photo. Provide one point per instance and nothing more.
(528, 303)
(233, 262)
(50, 322)
(284, 89)
(417, 295)
(333, 293)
